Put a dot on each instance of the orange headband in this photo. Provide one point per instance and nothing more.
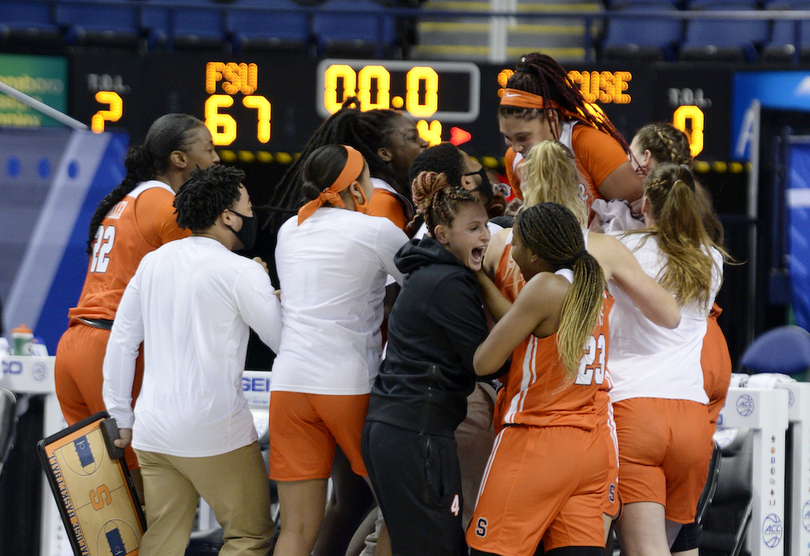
(349, 174)
(522, 99)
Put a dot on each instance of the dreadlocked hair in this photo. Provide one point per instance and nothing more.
(205, 195)
(552, 177)
(437, 201)
(681, 236)
(367, 132)
(167, 134)
(542, 75)
(552, 232)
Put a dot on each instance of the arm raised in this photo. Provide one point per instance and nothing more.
(621, 266)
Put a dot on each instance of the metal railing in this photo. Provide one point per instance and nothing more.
(500, 19)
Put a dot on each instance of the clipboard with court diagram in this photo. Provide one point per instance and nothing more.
(93, 489)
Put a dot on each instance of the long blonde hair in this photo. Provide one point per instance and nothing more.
(551, 232)
(681, 235)
(551, 176)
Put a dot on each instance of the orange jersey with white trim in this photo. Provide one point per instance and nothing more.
(508, 276)
(510, 281)
(597, 155)
(537, 391)
(140, 223)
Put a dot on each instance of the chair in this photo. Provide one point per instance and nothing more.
(785, 350)
(645, 4)
(362, 30)
(642, 38)
(724, 40)
(720, 4)
(707, 495)
(265, 28)
(785, 44)
(189, 24)
(726, 518)
(99, 23)
(30, 23)
(8, 424)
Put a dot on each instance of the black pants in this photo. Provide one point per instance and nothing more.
(417, 481)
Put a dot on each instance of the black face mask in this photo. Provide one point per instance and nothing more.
(246, 234)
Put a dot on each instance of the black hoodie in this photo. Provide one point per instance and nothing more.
(435, 326)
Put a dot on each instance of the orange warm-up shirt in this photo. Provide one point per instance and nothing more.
(597, 155)
(140, 223)
(386, 204)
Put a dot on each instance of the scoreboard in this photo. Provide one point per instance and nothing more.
(270, 102)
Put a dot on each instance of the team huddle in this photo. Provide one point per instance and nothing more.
(509, 378)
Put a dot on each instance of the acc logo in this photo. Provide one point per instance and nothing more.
(771, 530)
(745, 405)
(806, 515)
(12, 367)
(791, 398)
(612, 493)
(40, 372)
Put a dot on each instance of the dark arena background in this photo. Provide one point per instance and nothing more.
(264, 75)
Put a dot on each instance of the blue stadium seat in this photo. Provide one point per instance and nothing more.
(726, 39)
(645, 4)
(644, 38)
(785, 44)
(264, 29)
(99, 23)
(30, 23)
(720, 4)
(785, 350)
(363, 29)
(195, 24)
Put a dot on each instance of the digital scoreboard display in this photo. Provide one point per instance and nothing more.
(274, 102)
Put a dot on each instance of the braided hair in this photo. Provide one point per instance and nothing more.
(542, 75)
(666, 143)
(681, 235)
(552, 232)
(169, 133)
(437, 201)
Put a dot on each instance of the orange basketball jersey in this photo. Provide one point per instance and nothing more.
(537, 392)
(140, 223)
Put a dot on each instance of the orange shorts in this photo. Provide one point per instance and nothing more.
(542, 482)
(607, 430)
(664, 451)
(78, 374)
(304, 429)
(716, 363)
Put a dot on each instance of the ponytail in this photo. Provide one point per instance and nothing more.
(681, 235)
(140, 167)
(552, 232)
(167, 134)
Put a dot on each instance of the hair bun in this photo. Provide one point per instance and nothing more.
(424, 187)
